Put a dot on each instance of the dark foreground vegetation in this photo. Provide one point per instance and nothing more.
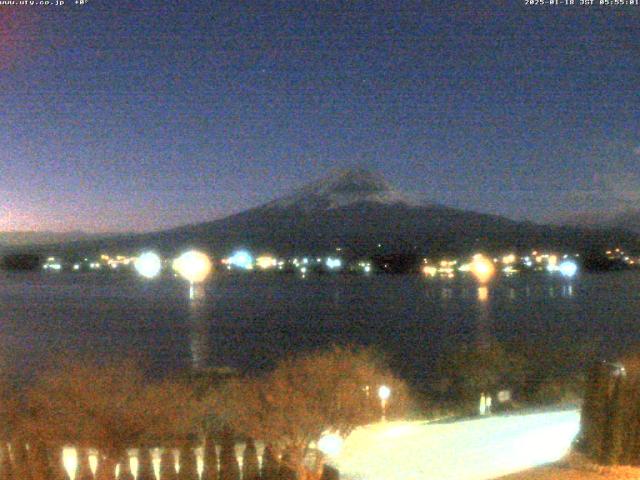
(113, 408)
(610, 432)
(273, 422)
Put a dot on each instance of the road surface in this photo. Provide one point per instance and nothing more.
(466, 450)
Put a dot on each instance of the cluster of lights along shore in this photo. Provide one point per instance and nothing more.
(196, 266)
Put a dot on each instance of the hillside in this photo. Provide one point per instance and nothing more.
(360, 213)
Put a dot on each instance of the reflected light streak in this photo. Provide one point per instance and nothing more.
(483, 294)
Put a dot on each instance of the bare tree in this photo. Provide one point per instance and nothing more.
(307, 395)
(469, 371)
(109, 407)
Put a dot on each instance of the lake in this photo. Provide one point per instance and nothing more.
(247, 321)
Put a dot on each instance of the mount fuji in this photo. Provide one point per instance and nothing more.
(344, 188)
(361, 213)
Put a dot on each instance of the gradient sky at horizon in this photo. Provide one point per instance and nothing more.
(145, 115)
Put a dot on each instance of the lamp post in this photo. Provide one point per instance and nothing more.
(383, 393)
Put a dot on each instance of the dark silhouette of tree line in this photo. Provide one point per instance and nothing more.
(610, 422)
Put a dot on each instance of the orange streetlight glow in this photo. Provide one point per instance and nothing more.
(482, 268)
(193, 266)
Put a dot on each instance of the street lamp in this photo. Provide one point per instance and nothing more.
(194, 267)
(384, 393)
(568, 268)
(482, 268)
(148, 265)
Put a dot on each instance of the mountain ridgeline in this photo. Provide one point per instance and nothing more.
(362, 214)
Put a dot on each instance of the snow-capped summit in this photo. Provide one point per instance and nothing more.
(343, 188)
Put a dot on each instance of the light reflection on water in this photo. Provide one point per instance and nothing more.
(248, 321)
(199, 326)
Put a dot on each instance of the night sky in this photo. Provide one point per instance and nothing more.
(142, 115)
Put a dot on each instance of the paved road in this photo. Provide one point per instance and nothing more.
(467, 450)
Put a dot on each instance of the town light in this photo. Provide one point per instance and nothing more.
(134, 465)
(193, 266)
(568, 268)
(482, 268)
(266, 262)
(509, 259)
(93, 462)
(333, 263)
(241, 259)
(430, 271)
(148, 265)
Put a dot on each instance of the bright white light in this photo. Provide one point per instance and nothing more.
(482, 268)
(176, 459)
(241, 259)
(148, 265)
(200, 461)
(70, 461)
(193, 266)
(330, 444)
(155, 462)
(134, 465)
(384, 392)
(93, 463)
(568, 268)
(333, 263)
(483, 294)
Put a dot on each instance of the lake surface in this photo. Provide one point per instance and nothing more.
(247, 321)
